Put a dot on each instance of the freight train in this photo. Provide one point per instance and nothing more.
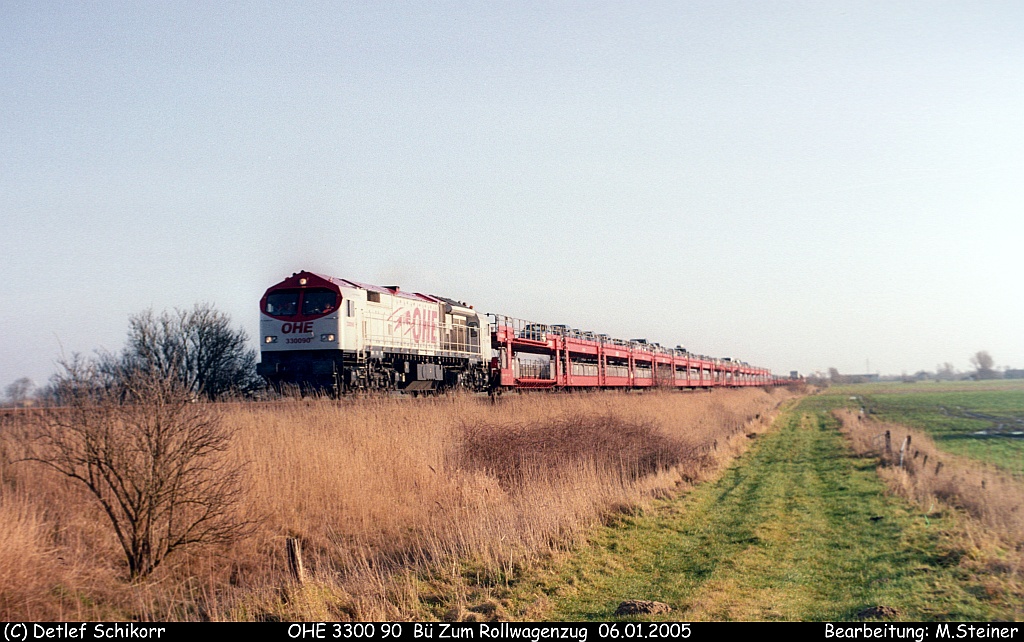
(334, 335)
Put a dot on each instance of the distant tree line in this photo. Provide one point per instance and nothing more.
(982, 362)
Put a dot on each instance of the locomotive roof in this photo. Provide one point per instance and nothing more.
(416, 296)
(444, 299)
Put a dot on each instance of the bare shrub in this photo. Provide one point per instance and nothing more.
(510, 451)
(148, 454)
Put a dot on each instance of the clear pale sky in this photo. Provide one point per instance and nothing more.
(801, 185)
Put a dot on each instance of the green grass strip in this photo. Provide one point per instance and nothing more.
(797, 529)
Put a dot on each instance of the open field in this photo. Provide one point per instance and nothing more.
(554, 507)
(811, 524)
(979, 419)
(401, 506)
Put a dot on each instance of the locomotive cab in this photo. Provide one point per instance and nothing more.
(300, 332)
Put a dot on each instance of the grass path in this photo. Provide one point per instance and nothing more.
(797, 529)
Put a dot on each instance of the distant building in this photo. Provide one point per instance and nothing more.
(1014, 374)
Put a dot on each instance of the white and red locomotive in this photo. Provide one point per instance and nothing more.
(337, 335)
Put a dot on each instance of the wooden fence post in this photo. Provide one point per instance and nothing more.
(295, 560)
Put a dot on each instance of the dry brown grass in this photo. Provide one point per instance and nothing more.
(392, 499)
(55, 544)
(936, 479)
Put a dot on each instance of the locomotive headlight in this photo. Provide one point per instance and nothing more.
(270, 339)
(327, 337)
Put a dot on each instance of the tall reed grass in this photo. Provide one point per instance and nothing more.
(394, 500)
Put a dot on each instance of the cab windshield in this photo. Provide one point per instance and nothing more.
(318, 301)
(283, 303)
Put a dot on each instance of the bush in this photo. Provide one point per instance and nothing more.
(151, 457)
(511, 451)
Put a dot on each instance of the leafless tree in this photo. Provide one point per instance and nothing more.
(983, 364)
(19, 391)
(154, 460)
(198, 347)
